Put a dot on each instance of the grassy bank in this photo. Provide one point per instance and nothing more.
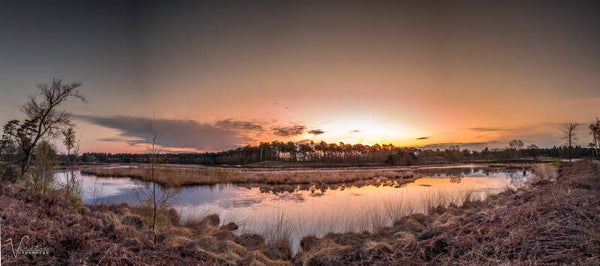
(178, 175)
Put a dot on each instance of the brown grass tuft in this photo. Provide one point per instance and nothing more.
(133, 220)
(229, 227)
(251, 241)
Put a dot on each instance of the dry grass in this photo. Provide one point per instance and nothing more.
(89, 235)
(177, 175)
(546, 171)
(118, 235)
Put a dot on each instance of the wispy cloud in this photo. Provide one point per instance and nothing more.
(543, 134)
(467, 145)
(422, 138)
(488, 129)
(289, 131)
(316, 132)
(173, 133)
(238, 125)
(130, 141)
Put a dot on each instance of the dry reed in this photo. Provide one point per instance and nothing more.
(176, 175)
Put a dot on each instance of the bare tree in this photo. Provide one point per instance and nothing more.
(569, 132)
(158, 199)
(42, 119)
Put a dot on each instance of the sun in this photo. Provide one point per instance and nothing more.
(368, 131)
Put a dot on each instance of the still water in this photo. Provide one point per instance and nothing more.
(300, 212)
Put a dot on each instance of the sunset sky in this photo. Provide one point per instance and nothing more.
(222, 74)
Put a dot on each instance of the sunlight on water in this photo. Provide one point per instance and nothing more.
(318, 212)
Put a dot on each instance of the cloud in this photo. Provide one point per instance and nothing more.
(289, 131)
(130, 141)
(543, 134)
(113, 139)
(173, 133)
(422, 138)
(487, 129)
(355, 131)
(316, 132)
(238, 125)
(467, 145)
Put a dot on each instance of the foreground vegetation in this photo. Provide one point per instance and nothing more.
(116, 235)
(554, 220)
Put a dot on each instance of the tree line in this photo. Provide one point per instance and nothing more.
(323, 153)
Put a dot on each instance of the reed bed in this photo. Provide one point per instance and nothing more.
(177, 176)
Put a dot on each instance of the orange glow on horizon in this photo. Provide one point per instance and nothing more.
(365, 129)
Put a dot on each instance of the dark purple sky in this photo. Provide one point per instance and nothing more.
(221, 74)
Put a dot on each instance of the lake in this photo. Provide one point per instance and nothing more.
(298, 212)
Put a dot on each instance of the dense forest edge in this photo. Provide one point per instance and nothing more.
(322, 154)
(551, 220)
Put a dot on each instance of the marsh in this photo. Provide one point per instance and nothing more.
(294, 211)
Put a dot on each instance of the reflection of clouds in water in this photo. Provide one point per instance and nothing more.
(238, 203)
(205, 194)
(113, 189)
(293, 197)
(108, 190)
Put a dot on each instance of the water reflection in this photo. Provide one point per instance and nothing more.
(317, 209)
(322, 188)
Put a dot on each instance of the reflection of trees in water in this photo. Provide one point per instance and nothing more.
(517, 177)
(395, 182)
(463, 172)
(447, 172)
